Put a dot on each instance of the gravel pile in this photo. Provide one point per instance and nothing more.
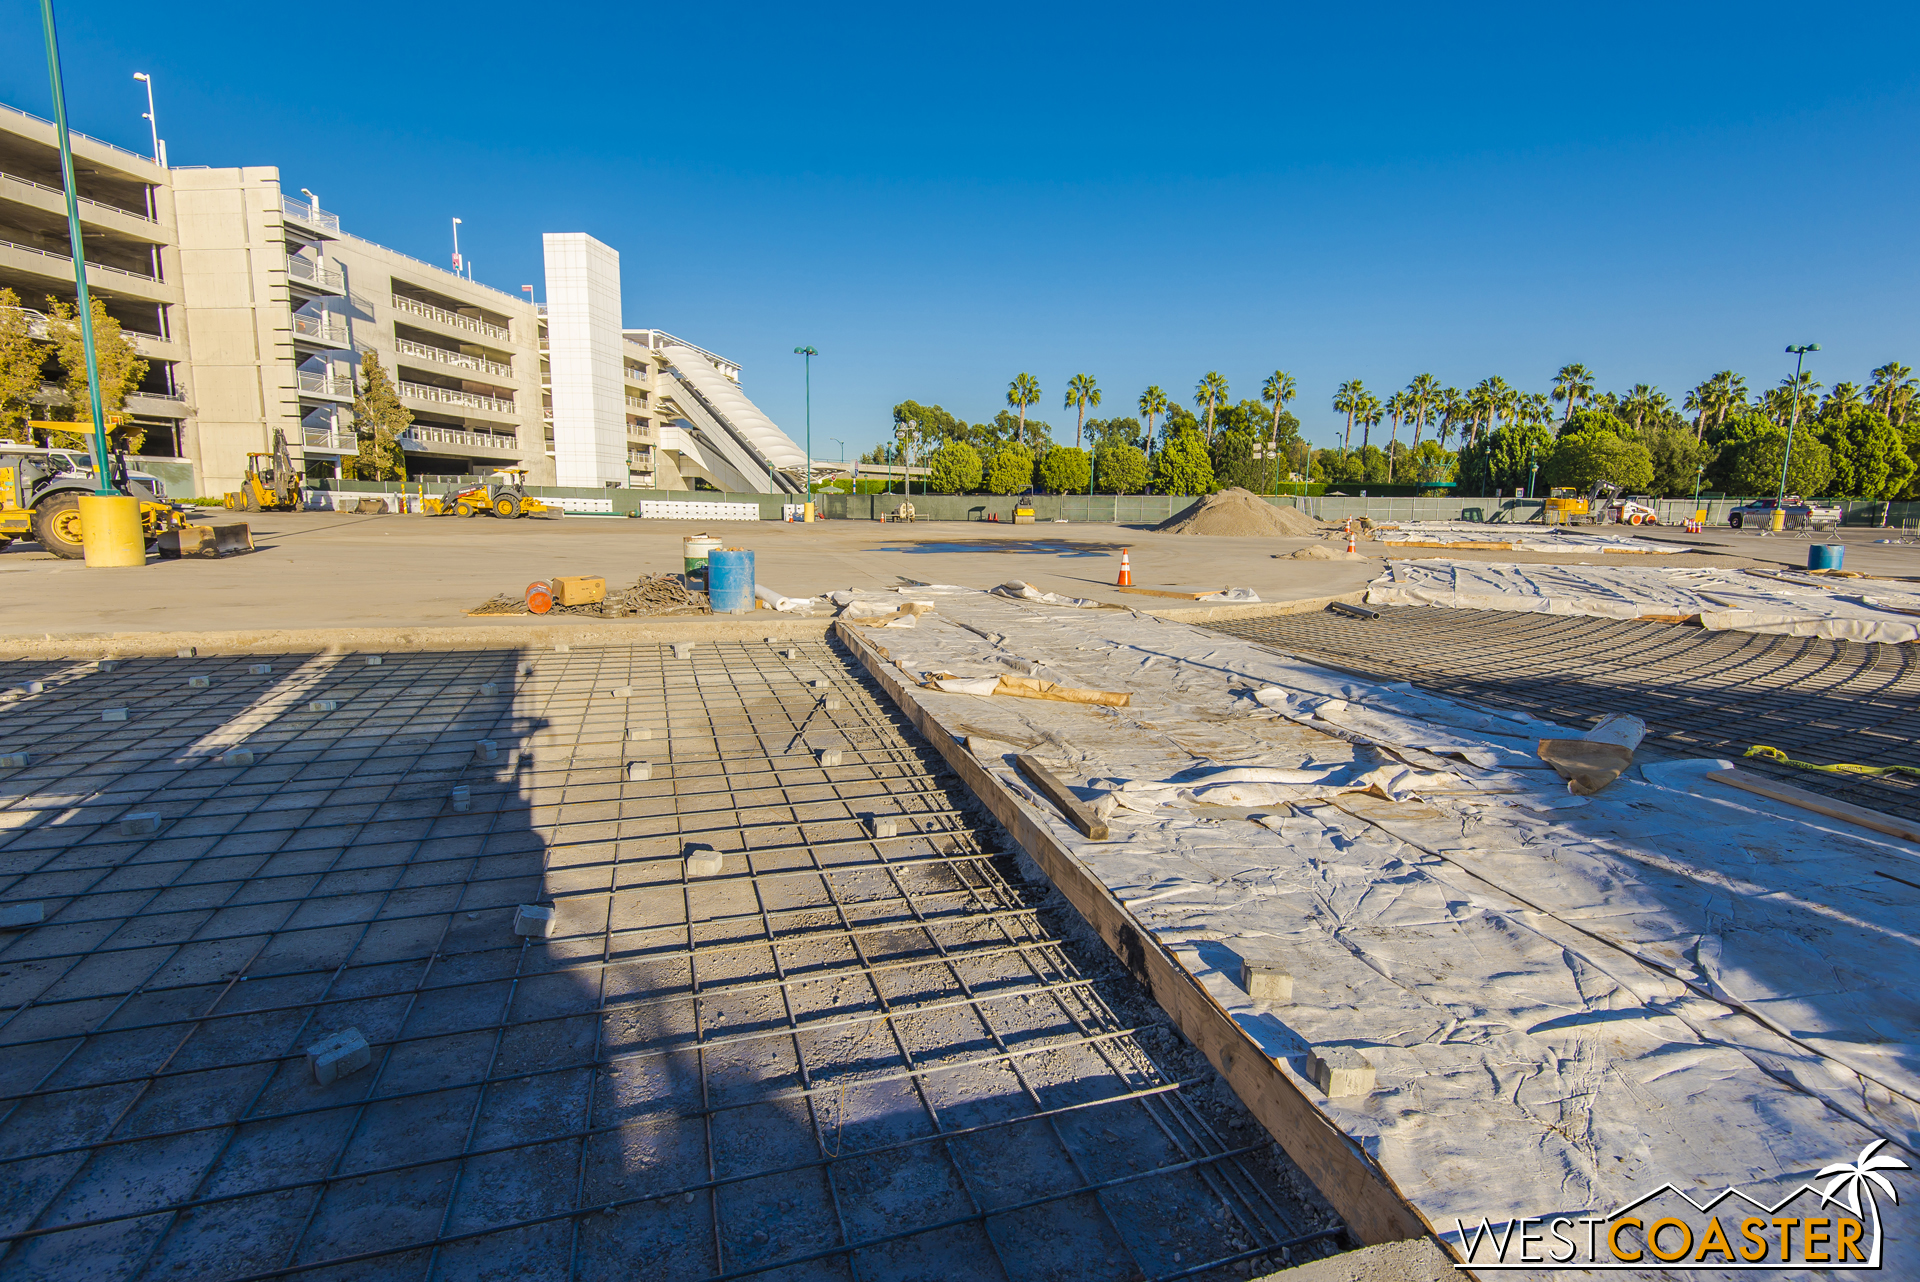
(1239, 513)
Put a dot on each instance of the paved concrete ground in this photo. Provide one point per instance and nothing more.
(322, 570)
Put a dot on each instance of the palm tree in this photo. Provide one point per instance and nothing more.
(1573, 384)
(1640, 401)
(1453, 408)
(1399, 406)
(1082, 391)
(1780, 400)
(1892, 391)
(1367, 413)
(1346, 399)
(1153, 401)
(1210, 391)
(1843, 397)
(1423, 397)
(1023, 391)
(1482, 407)
(1277, 391)
(1862, 1175)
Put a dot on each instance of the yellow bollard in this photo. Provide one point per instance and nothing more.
(808, 515)
(110, 530)
(1779, 519)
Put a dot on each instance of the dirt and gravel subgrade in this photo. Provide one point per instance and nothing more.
(841, 1057)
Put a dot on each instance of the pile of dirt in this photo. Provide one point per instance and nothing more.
(1240, 513)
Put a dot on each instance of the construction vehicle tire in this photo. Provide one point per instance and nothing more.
(252, 500)
(506, 506)
(463, 508)
(56, 526)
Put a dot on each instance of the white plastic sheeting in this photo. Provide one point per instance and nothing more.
(742, 414)
(1724, 600)
(1570, 1001)
(1539, 538)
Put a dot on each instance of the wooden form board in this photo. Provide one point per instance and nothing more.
(1892, 825)
(1352, 1182)
(1178, 594)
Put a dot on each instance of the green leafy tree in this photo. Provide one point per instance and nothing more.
(1430, 463)
(120, 368)
(1754, 468)
(1231, 455)
(1210, 391)
(1022, 394)
(1868, 453)
(1082, 391)
(1503, 458)
(21, 359)
(1182, 466)
(1010, 470)
(1179, 419)
(1120, 430)
(1583, 421)
(1373, 465)
(1119, 467)
(378, 420)
(1586, 457)
(1066, 469)
(954, 468)
(936, 424)
(1678, 457)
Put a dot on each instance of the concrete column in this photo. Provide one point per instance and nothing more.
(584, 355)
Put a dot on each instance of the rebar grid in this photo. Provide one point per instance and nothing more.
(845, 1056)
(1701, 693)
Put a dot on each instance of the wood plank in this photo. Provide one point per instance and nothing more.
(1078, 813)
(1178, 594)
(1892, 825)
(1356, 1186)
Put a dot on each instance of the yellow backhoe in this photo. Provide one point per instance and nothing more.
(270, 485)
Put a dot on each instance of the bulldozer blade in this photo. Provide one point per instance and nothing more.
(207, 540)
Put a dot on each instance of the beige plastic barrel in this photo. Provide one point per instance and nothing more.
(110, 532)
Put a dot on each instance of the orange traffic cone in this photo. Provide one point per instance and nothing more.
(1350, 547)
(1126, 570)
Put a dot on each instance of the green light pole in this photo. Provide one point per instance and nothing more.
(1799, 355)
(807, 354)
(85, 301)
(1699, 472)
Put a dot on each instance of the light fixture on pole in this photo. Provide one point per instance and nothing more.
(313, 201)
(528, 291)
(1799, 354)
(843, 452)
(456, 247)
(807, 354)
(905, 431)
(153, 122)
(1533, 467)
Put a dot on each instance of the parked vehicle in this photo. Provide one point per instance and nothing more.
(1800, 513)
(80, 463)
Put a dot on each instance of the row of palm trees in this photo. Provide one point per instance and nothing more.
(1209, 394)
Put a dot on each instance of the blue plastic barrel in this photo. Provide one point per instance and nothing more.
(730, 580)
(1826, 556)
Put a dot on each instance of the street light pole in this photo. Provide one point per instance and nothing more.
(1799, 354)
(153, 121)
(456, 247)
(84, 305)
(806, 354)
(843, 453)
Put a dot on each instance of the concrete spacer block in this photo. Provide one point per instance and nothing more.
(259, 669)
(491, 687)
(1265, 982)
(486, 750)
(237, 757)
(35, 687)
(827, 756)
(639, 770)
(324, 705)
(533, 921)
(561, 648)
(790, 654)
(107, 665)
(818, 683)
(623, 692)
(21, 916)
(1341, 1070)
(683, 649)
(12, 760)
(198, 683)
(188, 652)
(639, 732)
(462, 799)
(341, 1055)
(374, 661)
(883, 825)
(143, 824)
(113, 714)
(831, 703)
(703, 860)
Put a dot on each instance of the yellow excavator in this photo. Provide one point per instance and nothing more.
(39, 500)
(270, 485)
(504, 495)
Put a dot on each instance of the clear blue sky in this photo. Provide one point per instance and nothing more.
(939, 198)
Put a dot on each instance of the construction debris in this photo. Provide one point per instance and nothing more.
(652, 596)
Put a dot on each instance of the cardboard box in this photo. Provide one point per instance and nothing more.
(579, 589)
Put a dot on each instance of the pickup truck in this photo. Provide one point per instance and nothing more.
(1800, 514)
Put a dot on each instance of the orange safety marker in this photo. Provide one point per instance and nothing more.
(1350, 547)
(539, 597)
(1126, 570)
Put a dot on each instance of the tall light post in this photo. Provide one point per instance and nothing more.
(806, 355)
(905, 432)
(1799, 354)
(153, 121)
(456, 247)
(84, 301)
(843, 453)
